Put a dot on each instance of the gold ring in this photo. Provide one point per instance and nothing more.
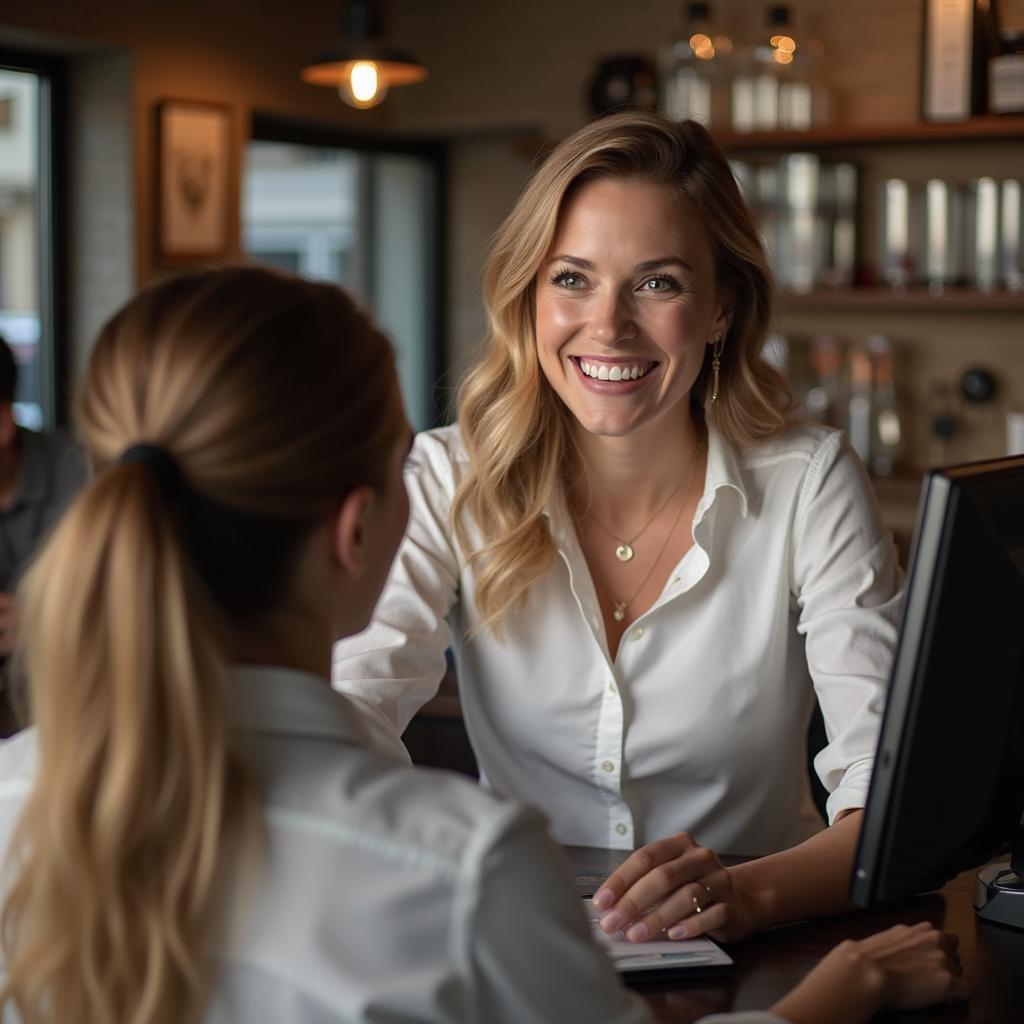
(696, 905)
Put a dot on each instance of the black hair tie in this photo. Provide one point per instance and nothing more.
(161, 463)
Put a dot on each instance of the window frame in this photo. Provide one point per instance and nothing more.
(51, 227)
(275, 128)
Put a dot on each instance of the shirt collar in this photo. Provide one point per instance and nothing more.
(723, 471)
(287, 701)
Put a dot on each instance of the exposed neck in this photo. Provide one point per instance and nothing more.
(627, 479)
(290, 638)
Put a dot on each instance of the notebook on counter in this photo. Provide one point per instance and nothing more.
(647, 961)
(640, 962)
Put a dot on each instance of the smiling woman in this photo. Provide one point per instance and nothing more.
(647, 573)
(612, 323)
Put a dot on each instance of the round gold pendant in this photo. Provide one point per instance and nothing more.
(619, 612)
(624, 553)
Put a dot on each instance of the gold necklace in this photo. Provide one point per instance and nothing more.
(619, 607)
(625, 550)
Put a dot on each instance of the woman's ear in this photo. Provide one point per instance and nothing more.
(723, 318)
(348, 530)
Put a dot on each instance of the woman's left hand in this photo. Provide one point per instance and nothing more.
(676, 886)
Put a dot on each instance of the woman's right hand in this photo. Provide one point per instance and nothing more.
(902, 968)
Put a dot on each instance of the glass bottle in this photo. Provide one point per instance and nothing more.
(693, 71)
(778, 86)
(887, 433)
(825, 399)
(859, 417)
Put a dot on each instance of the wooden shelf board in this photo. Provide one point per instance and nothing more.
(963, 299)
(831, 136)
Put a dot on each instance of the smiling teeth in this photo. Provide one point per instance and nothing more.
(601, 371)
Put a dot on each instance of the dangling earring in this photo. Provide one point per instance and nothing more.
(716, 364)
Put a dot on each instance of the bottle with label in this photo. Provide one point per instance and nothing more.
(960, 38)
(1006, 74)
(693, 72)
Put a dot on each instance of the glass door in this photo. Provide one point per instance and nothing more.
(364, 214)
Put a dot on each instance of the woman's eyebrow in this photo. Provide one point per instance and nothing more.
(576, 261)
(662, 261)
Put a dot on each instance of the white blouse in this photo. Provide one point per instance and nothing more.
(381, 893)
(791, 589)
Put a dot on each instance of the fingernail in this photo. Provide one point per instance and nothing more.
(678, 932)
(603, 898)
(637, 933)
(612, 922)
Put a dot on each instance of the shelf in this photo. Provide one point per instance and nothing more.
(534, 145)
(957, 299)
(978, 129)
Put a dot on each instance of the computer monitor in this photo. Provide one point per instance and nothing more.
(947, 792)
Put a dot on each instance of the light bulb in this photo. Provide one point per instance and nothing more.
(362, 84)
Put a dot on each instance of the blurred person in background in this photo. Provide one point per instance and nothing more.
(39, 473)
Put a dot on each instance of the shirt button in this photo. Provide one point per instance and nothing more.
(621, 829)
(608, 766)
(638, 632)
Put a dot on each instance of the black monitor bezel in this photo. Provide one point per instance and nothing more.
(942, 490)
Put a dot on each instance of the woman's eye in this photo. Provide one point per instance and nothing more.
(568, 279)
(660, 285)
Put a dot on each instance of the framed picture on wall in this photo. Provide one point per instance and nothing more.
(193, 181)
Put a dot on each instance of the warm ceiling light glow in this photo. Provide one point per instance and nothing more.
(784, 43)
(362, 67)
(782, 57)
(361, 84)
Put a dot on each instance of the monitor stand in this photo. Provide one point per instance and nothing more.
(999, 890)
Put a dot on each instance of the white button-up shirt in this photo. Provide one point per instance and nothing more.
(380, 893)
(790, 590)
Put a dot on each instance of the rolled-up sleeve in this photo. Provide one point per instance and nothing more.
(396, 664)
(849, 589)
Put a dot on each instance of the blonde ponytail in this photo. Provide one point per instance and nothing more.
(125, 836)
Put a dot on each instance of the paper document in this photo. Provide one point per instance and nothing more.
(658, 954)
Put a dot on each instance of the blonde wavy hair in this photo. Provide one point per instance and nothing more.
(515, 427)
(274, 397)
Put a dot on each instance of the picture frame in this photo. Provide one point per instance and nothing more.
(193, 166)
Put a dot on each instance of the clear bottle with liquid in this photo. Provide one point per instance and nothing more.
(693, 70)
(860, 410)
(825, 400)
(778, 85)
(887, 433)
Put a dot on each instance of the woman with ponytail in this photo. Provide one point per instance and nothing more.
(196, 829)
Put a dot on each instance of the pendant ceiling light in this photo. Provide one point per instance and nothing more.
(362, 67)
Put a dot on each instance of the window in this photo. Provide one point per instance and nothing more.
(364, 214)
(29, 95)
